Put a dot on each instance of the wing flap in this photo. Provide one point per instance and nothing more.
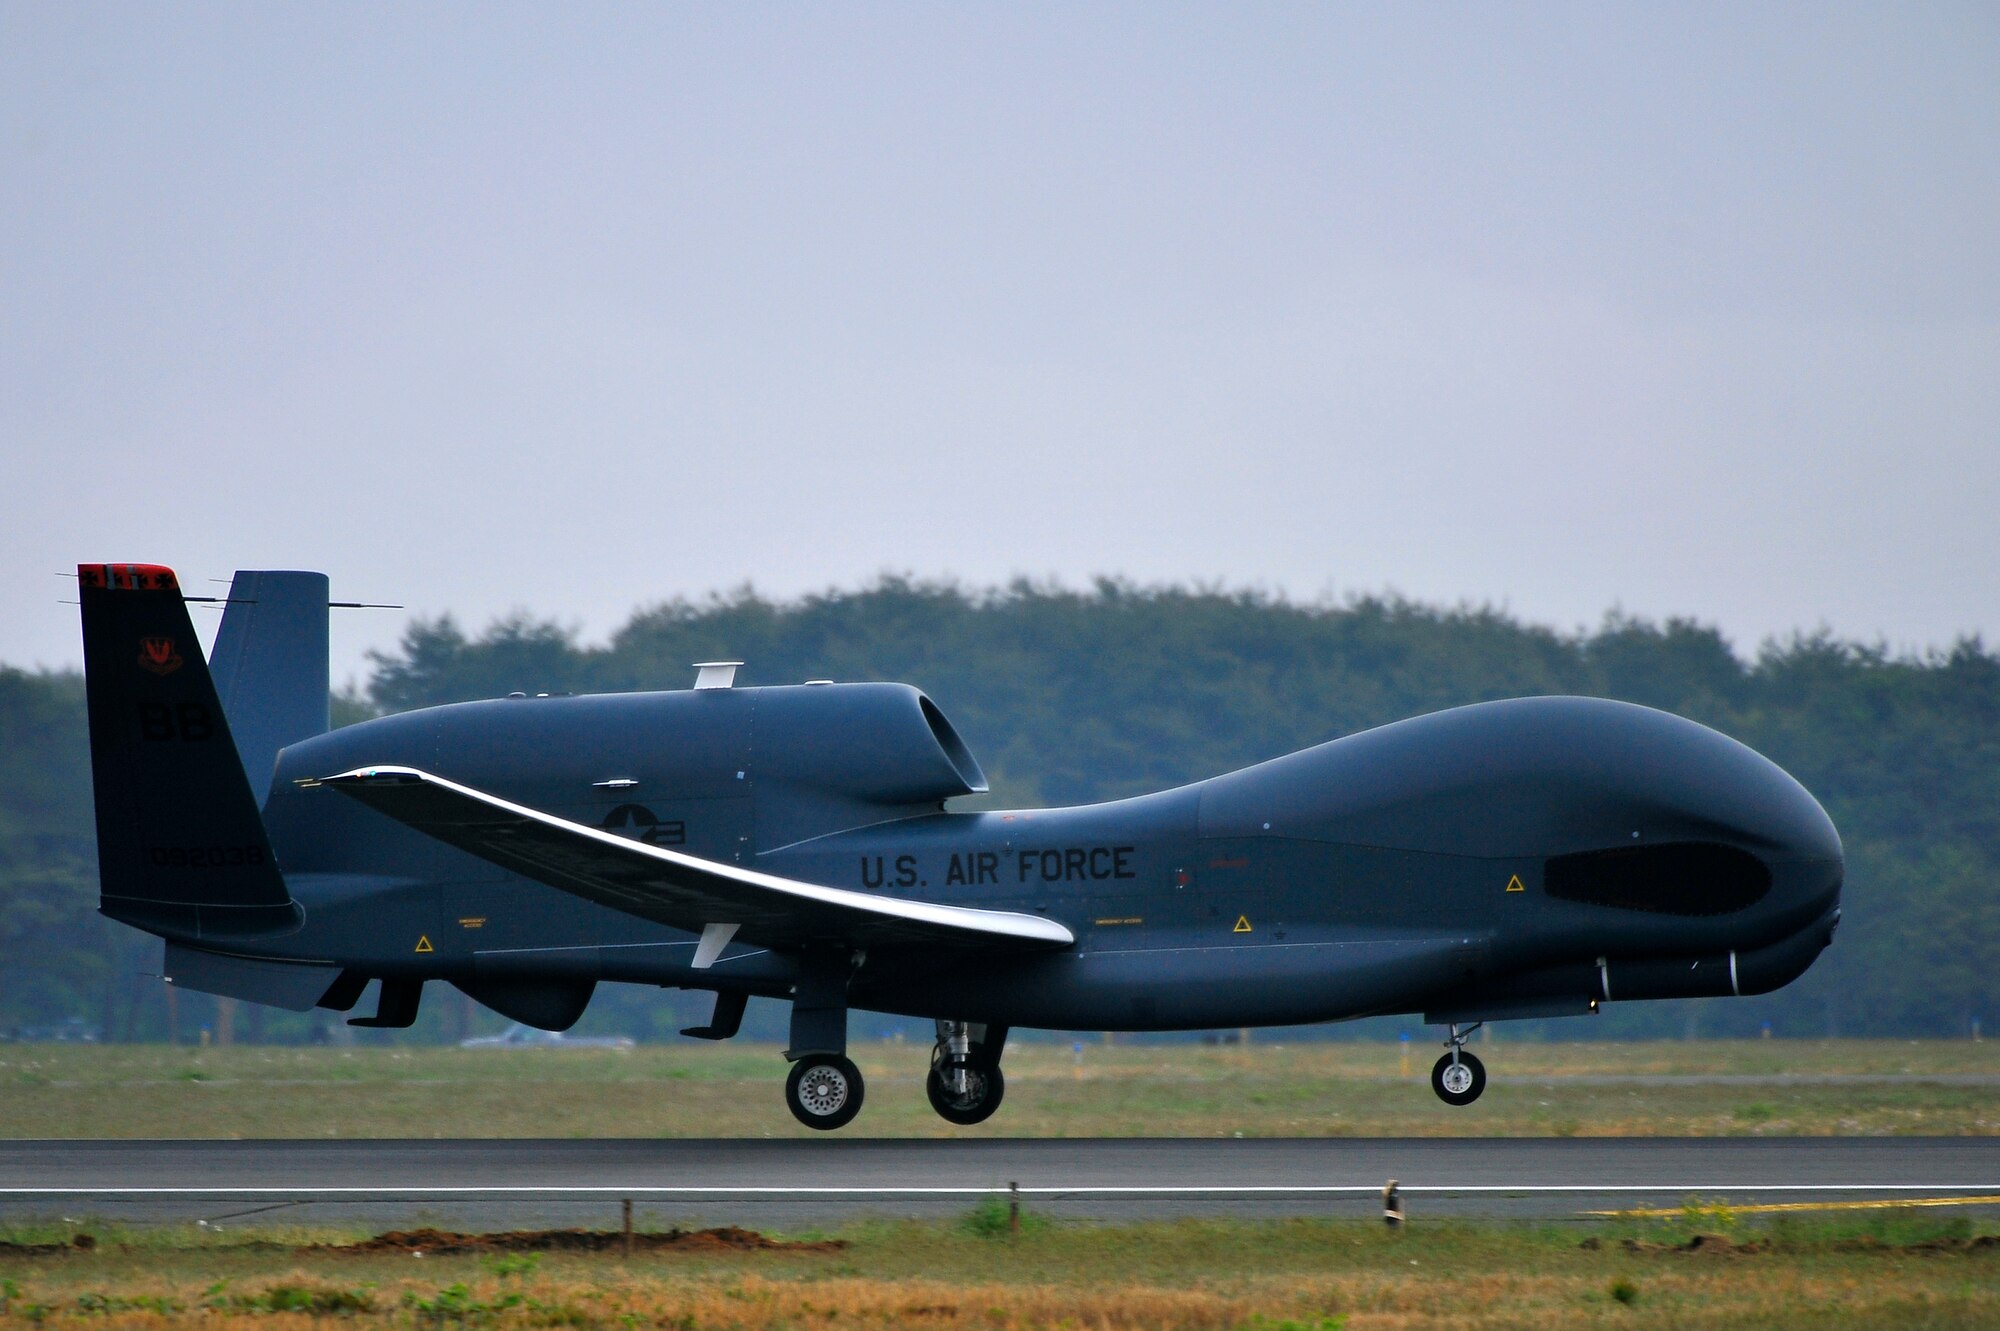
(675, 889)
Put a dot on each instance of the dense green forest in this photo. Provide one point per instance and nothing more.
(1072, 695)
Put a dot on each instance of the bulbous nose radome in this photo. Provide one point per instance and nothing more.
(1804, 854)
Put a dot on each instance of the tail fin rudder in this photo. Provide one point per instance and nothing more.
(270, 666)
(181, 847)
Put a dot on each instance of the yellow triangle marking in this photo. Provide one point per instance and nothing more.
(424, 943)
(1242, 925)
(1514, 884)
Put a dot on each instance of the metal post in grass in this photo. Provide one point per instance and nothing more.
(627, 1208)
(1392, 1205)
(1013, 1208)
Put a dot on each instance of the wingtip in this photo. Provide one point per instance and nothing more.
(371, 776)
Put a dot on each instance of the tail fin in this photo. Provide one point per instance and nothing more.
(181, 848)
(270, 666)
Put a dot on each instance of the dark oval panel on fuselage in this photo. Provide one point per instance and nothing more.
(1680, 878)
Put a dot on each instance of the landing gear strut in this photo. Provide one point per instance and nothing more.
(965, 1084)
(824, 1091)
(1459, 1077)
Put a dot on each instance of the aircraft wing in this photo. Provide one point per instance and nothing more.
(674, 889)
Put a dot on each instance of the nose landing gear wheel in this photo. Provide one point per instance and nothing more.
(983, 1087)
(1458, 1081)
(824, 1091)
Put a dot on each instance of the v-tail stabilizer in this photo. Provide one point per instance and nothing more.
(270, 665)
(181, 847)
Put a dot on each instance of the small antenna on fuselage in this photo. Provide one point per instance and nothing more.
(715, 674)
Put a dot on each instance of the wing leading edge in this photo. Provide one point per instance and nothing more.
(677, 890)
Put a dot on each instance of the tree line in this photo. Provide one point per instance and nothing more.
(1069, 695)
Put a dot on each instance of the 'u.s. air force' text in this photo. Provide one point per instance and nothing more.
(1068, 864)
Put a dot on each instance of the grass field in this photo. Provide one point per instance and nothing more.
(1667, 1088)
(1884, 1269)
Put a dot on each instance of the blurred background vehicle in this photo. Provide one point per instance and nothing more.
(518, 1036)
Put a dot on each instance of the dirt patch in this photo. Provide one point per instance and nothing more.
(1719, 1245)
(436, 1242)
(79, 1243)
(1709, 1244)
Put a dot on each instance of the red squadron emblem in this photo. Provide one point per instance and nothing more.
(158, 655)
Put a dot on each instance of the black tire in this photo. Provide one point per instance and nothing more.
(824, 1091)
(987, 1086)
(1463, 1095)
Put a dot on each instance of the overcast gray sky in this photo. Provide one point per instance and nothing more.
(1684, 309)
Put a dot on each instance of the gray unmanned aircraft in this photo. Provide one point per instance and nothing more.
(1527, 858)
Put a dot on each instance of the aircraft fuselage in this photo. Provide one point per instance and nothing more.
(1402, 869)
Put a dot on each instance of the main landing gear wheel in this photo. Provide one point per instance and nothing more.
(1458, 1078)
(969, 1099)
(824, 1091)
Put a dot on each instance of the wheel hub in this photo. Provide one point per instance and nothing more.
(965, 1087)
(823, 1091)
(1458, 1079)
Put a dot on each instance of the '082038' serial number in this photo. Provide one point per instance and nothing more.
(205, 857)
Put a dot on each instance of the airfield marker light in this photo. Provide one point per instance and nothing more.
(1013, 1208)
(1392, 1205)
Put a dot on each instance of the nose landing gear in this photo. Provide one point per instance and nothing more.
(1459, 1077)
(965, 1085)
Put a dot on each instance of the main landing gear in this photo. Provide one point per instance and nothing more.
(1459, 1077)
(824, 1091)
(965, 1084)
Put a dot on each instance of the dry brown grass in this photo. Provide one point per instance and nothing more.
(1258, 1276)
(1727, 1294)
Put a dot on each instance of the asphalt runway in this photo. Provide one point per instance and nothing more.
(792, 1184)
